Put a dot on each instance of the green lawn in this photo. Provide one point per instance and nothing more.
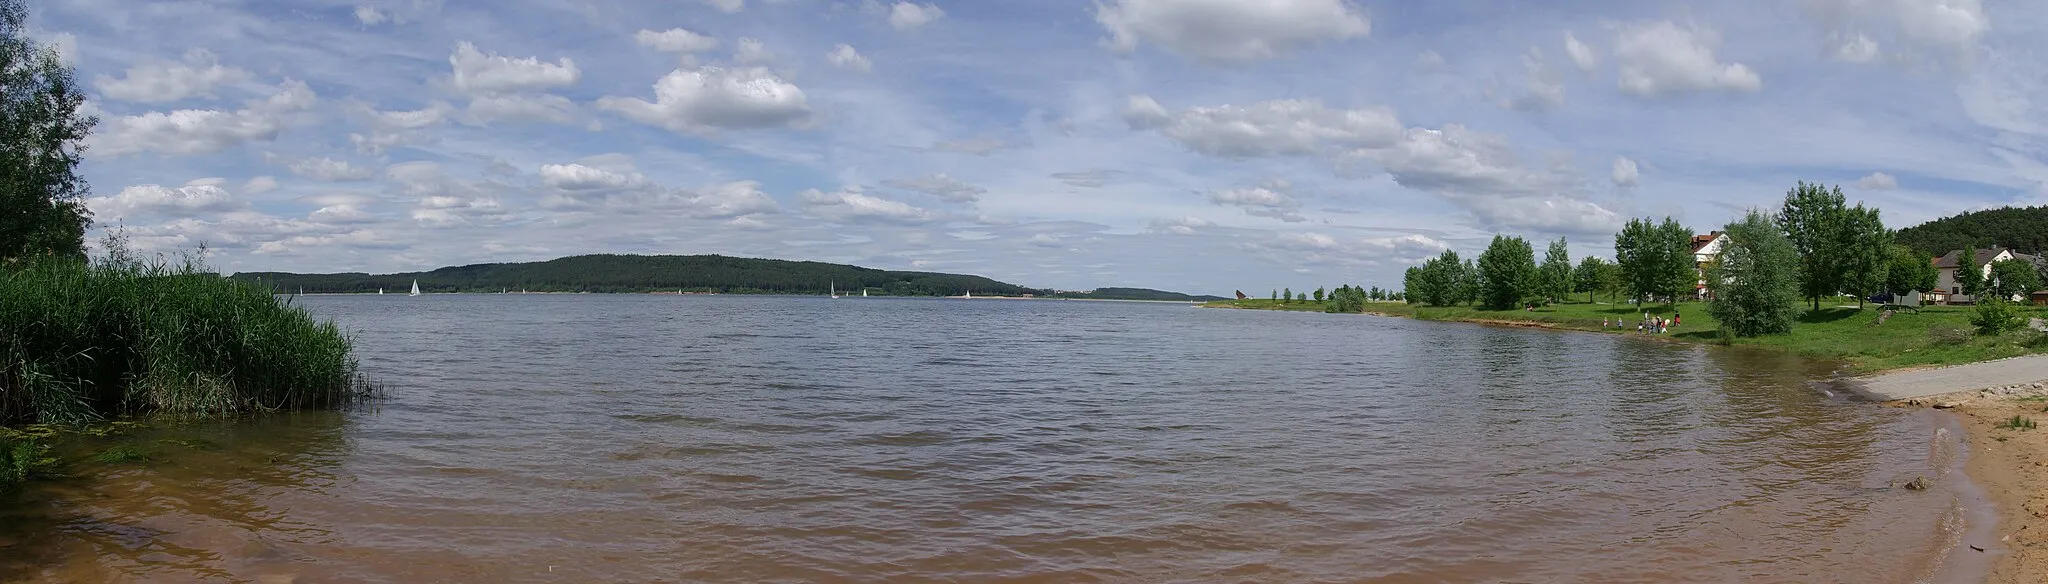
(1938, 335)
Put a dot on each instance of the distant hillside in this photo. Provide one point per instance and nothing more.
(1136, 294)
(2021, 228)
(641, 273)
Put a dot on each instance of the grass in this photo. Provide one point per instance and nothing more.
(121, 454)
(1937, 335)
(2017, 423)
(86, 342)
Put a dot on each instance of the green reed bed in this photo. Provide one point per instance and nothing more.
(82, 342)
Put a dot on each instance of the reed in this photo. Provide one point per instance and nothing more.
(86, 341)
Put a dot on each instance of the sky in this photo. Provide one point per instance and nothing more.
(1190, 145)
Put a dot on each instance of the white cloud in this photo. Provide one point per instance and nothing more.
(198, 196)
(1859, 31)
(853, 206)
(1878, 181)
(1144, 113)
(1546, 87)
(330, 170)
(203, 131)
(477, 72)
(1180, 225)
(1429, 61)
(1229, 31)
(1480, 173)
(939, 185)
(1625, 173)
(485, 109)
(1582, 55)
(1270, 128)
(390, 129)
(577, 177)
(1662, 58)
(1271, 201)
(675, 40)
(707, 99)
(909, 15)
(735, 200)
(1091, 178)
(260, 185)
(156, 82)
(340, 214)
(727, 6)
(976, 146)
(843, 56)
(750, 51)
(1856, 49)
(370, 15)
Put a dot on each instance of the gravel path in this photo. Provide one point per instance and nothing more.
(1975, 376)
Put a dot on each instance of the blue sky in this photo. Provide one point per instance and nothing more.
(1196, 145)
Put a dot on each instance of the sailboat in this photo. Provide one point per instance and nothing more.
(970, 294)
(380, 291)
(863, 292)
(835, 289)
(415, 288)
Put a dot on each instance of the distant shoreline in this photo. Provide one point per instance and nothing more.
(842, 296)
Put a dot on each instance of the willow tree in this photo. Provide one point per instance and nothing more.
(1755, 280)
(42, 140)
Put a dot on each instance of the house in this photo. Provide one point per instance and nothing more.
(1949, 291)
(1704, 249)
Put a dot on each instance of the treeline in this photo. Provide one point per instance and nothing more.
(2020, 228)
(612, 273)
(1344, 298)
(1507, 275)
(1135, 294)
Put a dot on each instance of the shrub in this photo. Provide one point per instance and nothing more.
(1995, 316)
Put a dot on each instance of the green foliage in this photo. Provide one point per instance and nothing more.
(1286, 295)
(1349, 299)
(1866, 258)
(1910, 270)
(2013, 277)
(1436, 282)
(1302, 297)
(1508, 273)
(121, 454)
(1586, 277)
(648, 273)
(1471, 282)
(2017, 422)
(86, 341)
(2023, 228)
(42, 140)
(1969, 274)
(1841, 248)
(1556, 273)
(1319, 294)
(1993, 316)
(1755, 279)
(1655, 260)
(23, 459)
(1113, 293)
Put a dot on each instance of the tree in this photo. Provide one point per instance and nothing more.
(1471, 282)
(1302, 297)
(1755, 281)
(1508, 271)
(1319, 294)
(1347, 299)
(1556, 272)
(2012, 278)
(1814, 218)
(1909, 271)
(1865, 253)
(42, 140)
(1655, 259)
(1586, 277)
(1276, 296)
(1610, 281)
(1286, 295)
(1969, 276)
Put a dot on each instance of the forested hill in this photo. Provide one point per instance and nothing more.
(1136, 294)
(643, 273)
(2021, 228)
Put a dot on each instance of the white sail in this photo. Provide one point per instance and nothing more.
(415, 288)
(970, 294)
(380, 291)
(863, 292)
(835, 288)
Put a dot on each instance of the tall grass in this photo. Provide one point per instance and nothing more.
(81, 342)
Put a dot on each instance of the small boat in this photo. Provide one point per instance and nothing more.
(835, 289)
(970, 294)
(415, 288)
(863, 292)
(380, 291)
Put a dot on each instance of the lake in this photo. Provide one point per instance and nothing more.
(626, 438)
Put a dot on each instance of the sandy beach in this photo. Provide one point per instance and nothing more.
(2010, 465)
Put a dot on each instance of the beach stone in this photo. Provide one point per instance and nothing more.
(1945, 405)
(1917, 484)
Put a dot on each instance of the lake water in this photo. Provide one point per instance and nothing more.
(595, 438)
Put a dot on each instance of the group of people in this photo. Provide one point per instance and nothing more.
(1649, 324)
